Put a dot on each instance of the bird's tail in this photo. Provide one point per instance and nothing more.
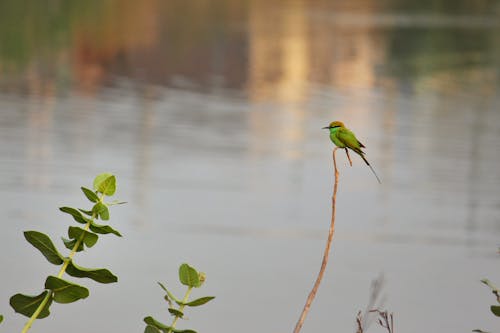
(366, 161)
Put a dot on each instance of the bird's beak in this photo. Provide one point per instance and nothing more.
(327, 127)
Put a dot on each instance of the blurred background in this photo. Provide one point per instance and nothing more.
(210, 115)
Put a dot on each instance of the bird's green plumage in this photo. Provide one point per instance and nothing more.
(343, 137)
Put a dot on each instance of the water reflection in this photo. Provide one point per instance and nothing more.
(210, 113)
(257, 46)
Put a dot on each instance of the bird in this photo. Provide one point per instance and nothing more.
(343, 137)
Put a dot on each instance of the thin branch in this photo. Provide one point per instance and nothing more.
(364, 319)
(359, 322)
(326, 253)
(386, 320)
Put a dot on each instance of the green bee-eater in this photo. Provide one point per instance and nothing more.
(343, 137)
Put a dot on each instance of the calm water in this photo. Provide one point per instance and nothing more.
(210, 114)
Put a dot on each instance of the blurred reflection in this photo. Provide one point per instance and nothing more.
(210, 114)
(273, 49)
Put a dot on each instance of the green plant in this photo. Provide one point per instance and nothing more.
(59, 290)
(191, 278)
(495, 309)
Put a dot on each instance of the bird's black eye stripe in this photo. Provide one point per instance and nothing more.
(335, 126)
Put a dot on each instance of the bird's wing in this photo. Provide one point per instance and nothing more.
(349, 139)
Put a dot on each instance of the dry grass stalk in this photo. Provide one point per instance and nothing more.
(326, 253)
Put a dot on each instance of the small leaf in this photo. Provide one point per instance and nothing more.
(100, 178)
(496, 310)
(490, 285)
(101, 275)
(166, 297)
(77, 216)
(169, 295)
(91, 195)
(89, 238)
(156, 324)
(183, 331)
(101, 210)
(175, 312)
(189, 276)
(103, 229)
(151, 329)
(65, 291)
(1, 318)
(43, 243)
(86, 212)
(200, 301)
(70, 244)
(105, 183)
(27, 305)
(162, 286)
(116, 202)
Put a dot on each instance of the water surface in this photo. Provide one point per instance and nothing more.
(210, 115)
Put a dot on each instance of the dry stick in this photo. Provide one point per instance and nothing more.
(314, 290)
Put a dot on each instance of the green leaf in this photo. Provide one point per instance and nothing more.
(43, 243)
(1, 318)
(151, 329)
(101, 210)
(70, 244)
(496, 310)
(116, 202)
(101, 275)
(89, 238)
(156, 324)
(189, 276)
(77, 216)
(175, 312)
(86, 212)
(91, 195)
(27, 305)
(65, 291)
(200, 301)
(183, 331)
(490, 285)
(105, 183)
(169, 295)
(103, 229)
(162, 286)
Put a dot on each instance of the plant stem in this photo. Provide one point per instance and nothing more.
(326, 253)
(181, 308)
(27, 326)
(75, 247)
(35, 315)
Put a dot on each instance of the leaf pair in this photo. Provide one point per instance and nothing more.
(99, 211)
(154, 326)
(61, 291)
(43, 243)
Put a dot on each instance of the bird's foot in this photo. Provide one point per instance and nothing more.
(348, 156)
